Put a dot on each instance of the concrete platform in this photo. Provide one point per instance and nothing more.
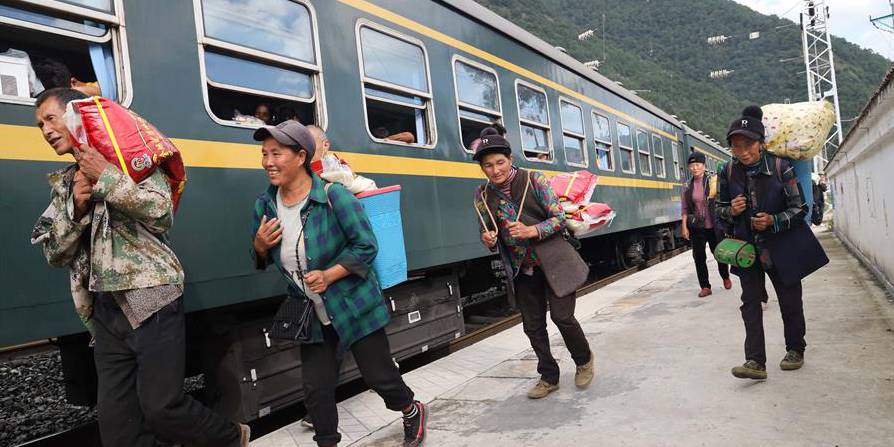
(663, 357)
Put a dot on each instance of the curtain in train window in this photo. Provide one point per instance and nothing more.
(658, 150)
(396, 89)
(602, 136)
(534, 122)
(645, 157)
(260, 62)
(42, 49)
(477, 98)
(625, 143)
(573, 136)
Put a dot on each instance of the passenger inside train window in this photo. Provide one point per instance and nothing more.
(285, 112)
(44, 50)
(383, 133)
(264, 113)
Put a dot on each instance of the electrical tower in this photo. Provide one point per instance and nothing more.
(820, 67)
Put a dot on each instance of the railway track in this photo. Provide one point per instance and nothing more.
(88, 434)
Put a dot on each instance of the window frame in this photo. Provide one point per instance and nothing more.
(477, 109)
(526, 122)
(116, 37)
(429, 106)
(676, 155)
(261, 56)
(659, 159)
(582, 137)
(596, 141)
(631, 148)
(647, 152)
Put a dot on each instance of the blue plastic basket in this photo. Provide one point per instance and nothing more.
(383, 208)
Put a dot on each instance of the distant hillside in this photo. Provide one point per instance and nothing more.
(660, 46)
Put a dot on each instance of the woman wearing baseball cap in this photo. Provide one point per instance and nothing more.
(759, 196)
(698, 221)
(520, 217)
(320, 239)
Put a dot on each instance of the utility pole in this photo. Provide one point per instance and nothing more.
(820, 67)
(881, 22)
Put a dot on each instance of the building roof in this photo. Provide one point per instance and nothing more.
(867, 109)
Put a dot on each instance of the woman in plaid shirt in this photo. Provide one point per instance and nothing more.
(322, 242)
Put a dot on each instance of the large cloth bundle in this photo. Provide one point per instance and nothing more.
(335, 170)
(574, 187)
(587, 218)
(126, 140)
(797, 131)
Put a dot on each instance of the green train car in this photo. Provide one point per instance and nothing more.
(364, 70)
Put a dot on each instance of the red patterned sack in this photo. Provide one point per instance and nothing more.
(574, 187)
(126, 140)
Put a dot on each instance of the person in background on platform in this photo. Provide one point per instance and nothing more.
(699, 225)
(321, 241)
(109, 232)
(515, 240)
(55, 74)
(264, 113)
(759, 196)
(819, 198)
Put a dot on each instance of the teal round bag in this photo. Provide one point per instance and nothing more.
(735, 252)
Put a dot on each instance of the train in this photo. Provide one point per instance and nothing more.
(363, 70)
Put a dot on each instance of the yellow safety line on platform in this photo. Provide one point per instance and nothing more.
(30, 146)
(383, 13)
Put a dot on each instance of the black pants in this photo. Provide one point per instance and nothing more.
(698, 237)
(319, 368)
(140, 398)
(790, 305)
(533, 294)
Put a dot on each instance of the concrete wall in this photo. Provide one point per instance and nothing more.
(861, 176)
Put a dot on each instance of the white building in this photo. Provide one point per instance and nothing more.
(861, 178)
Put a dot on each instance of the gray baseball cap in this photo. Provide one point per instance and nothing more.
(289, 133)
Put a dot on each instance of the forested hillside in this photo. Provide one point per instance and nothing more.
(659, 48)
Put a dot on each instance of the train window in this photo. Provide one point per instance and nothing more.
(533, 113)
(625, 143)
(645, 157)
(253, 59)
(43, 47)
(101, 5)
(477, 98)
(396, 88)
(658, 151)
(573, 136)
(602, 136)
(675, 153)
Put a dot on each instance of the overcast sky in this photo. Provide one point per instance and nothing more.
(848, 19)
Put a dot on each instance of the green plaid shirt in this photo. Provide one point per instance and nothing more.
(337, 232)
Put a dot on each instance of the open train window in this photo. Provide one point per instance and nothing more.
(42, 47)
(396, 87)
(252, 60)
(625, 143)
(477, 98)
(602, 136)
(533, 114)
(675, 153)
(645, 157)
(573, 136)
(658, 151)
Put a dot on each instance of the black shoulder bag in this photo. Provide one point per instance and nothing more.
(292, 321)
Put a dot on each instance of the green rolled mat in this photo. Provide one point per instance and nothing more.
(735, 252)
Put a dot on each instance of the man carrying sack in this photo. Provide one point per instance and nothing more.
(759, 197)
(522, 219)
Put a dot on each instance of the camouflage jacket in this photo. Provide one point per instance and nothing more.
(119, 245)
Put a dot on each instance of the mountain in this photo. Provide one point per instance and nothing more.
(660, 48)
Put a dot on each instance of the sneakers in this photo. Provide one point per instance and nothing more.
(584, 374)
(414, 425)
(750, 370)
(792, 360)
(245, 435)
(727, 283)
(704, 292)
(541, 389)
(307, 422)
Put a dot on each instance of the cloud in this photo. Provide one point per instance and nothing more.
(848, 19)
